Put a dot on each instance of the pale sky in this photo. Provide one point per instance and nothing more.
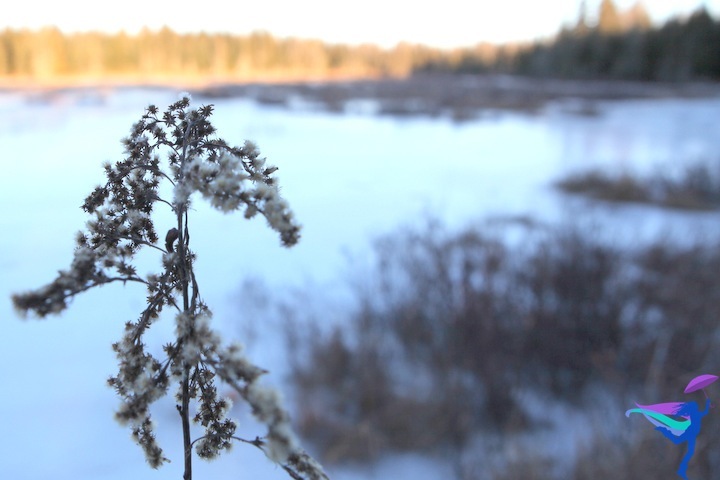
(446, 23)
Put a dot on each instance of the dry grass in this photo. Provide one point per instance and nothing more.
(449, 325)
(695, 187)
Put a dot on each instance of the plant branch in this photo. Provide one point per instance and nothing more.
(121, 225)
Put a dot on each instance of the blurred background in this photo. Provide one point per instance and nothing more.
(510, 229)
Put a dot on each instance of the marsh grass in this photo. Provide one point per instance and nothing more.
(693, 187)
(450, 327)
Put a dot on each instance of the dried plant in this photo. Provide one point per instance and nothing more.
(179, 148)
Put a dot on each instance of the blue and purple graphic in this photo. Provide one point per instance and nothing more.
(679, 421)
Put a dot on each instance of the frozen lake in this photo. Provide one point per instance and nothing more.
(348, 177)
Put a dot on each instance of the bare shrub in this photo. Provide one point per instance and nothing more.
(446, 328)
(647, 457)
(450, 327)
(677, 320)
(695, 186)
(600, 185)
(573, 295)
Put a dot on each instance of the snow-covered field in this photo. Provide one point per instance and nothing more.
(348, 177)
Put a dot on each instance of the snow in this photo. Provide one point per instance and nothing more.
(347, 177)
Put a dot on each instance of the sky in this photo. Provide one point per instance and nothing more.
(445, 24)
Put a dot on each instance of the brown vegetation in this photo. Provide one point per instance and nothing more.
(696, 187)
(450, 328)
(460, 97)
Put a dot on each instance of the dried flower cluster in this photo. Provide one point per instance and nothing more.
(230, 178)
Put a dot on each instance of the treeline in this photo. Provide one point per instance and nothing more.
(685, 49)
(622, 45)
(49, 53)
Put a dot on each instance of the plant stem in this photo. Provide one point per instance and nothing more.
(184, 278)
(185, 385)
(185, 414)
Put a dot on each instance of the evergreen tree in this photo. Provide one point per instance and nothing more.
(609, 21)
(637, 18)
(581, 26)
